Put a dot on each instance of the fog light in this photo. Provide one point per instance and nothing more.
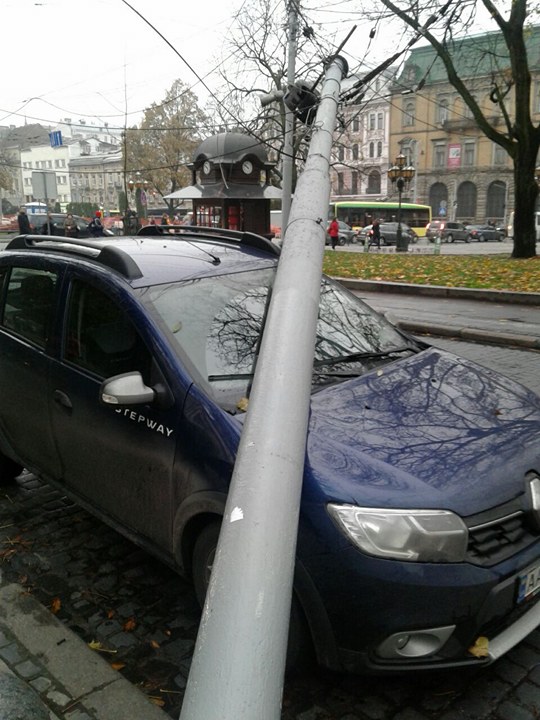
(416, 644)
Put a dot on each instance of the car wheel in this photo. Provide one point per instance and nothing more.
(300, 648)
(482, 239)
(468, 239)
(341, 241)
(9, 469)
(449, 238)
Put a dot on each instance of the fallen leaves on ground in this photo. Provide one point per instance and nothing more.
(98, 647)
(56, 605)
(488, 272)
(130, 625)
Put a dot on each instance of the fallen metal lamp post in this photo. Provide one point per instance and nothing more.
(239, 662)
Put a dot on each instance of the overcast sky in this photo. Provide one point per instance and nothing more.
(88, 58)
(92, 59)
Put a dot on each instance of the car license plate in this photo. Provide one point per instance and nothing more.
(529, 584)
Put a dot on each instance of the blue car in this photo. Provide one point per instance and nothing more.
(125, 373)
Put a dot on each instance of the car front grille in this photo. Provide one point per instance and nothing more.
(493, 539)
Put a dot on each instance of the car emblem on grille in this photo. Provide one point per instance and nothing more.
(534, 498)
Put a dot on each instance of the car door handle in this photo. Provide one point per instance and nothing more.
(60, 398)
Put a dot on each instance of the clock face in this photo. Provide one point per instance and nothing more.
(206, 168)
(247, 167)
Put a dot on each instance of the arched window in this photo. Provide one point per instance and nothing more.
(409, 114)
(443, 110)
(438, 199)
(466, 200)
(495, 201)
(374, 183)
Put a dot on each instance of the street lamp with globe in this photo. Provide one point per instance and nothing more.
(141, 187)
(401, 174)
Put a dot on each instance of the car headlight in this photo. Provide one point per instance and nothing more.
(413, 535)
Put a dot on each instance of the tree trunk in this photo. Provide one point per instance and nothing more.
(525, 194)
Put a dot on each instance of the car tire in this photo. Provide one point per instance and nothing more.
(9, 469)
(449, 238)
(300, 651)
(481, 238)
(341, 241)
(468, 239)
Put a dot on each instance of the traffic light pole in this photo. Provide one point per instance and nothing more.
(239, 662)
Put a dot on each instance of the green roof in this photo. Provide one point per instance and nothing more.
(473, 56)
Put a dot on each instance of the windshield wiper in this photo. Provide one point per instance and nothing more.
(232, 376)
(351, 357)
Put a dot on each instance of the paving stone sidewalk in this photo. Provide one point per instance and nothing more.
(61, 676)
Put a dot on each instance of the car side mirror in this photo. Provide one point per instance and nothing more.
(126, 389)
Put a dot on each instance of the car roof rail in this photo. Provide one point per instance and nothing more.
(108, 255)
(188, 232)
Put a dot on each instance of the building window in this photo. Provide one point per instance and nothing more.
(340, 183)
(469, 152)
(442, 110)
(374, 183)
(466, 200)
(380, 121)
(372, 121)
(499, 155)
(356, 124)
(379, 149)
(355, 152)
(354, 183)
(371, 149)
(341, 154)
(409, 114)
(439, 155)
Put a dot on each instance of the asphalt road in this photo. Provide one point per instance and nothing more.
(455, 248)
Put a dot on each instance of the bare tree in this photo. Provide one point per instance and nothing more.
(441, 23)
(255, 63)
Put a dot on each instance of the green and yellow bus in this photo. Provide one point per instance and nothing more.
(359, 213)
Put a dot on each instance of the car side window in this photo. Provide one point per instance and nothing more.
(100, 337)
(29, 302)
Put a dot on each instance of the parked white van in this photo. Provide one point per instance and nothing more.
(510, 228)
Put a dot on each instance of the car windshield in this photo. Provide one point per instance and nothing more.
(215, 324)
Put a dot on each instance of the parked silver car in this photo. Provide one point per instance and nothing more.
(388, 233)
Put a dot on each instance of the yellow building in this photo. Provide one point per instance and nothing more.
(461, 173)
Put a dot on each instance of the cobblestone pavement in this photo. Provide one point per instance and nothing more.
(145, 618)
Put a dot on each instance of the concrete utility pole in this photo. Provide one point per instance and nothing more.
(288, 139)
(239, 662)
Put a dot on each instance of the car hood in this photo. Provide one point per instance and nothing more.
(429, 431)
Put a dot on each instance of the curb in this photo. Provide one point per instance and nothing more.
(470, 334)
(66, 674)
(501, 296)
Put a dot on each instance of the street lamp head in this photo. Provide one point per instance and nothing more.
(408, 172)
(401, 160)
(394, 172)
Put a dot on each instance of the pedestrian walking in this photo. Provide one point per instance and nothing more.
(70, 227)
(24, 222)
(333, 231)
(95, 226)
(375, 238)
(49, 226)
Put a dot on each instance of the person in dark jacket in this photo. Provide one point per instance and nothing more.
(24, 222)
(95, 226)
(49, 226)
